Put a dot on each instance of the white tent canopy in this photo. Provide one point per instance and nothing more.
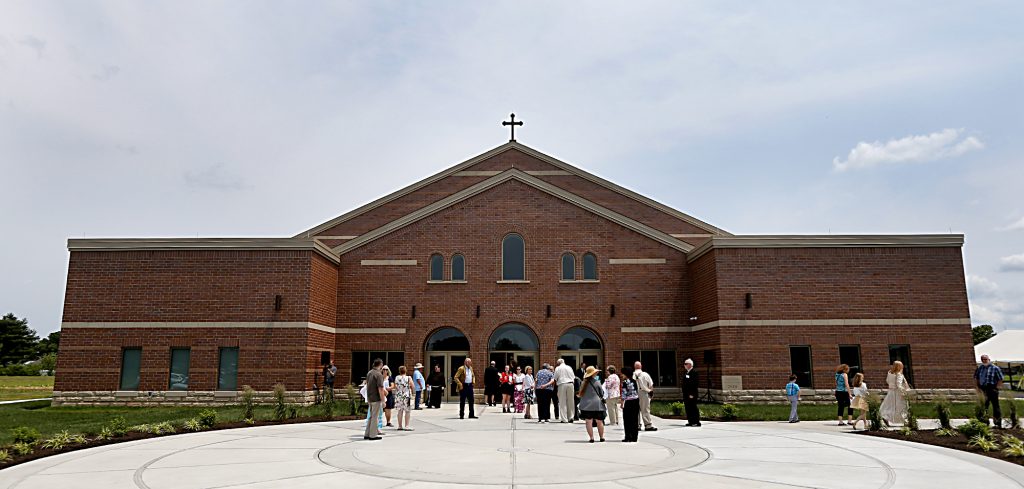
(1003, 348)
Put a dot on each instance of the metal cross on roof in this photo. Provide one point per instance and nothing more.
(513, 123)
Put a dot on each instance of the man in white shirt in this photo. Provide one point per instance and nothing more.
(645, 386)
(564, 379)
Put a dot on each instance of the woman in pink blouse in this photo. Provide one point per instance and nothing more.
(611, 387)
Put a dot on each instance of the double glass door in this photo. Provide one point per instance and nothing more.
(575, 359)
(450, 361)
(514, 359)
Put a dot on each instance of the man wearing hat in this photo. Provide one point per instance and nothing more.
(419, 383)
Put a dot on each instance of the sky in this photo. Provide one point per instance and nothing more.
(188, 118)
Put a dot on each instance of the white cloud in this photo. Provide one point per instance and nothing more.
(946, 143)
(1012, 263)
(1013, 226)
(978, 286)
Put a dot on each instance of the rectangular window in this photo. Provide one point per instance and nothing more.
(902, 353)
(659, 364)
(227, 371)
(850, 355)
(131, 365)
(800, 364)
(362, 361)
(179, 369)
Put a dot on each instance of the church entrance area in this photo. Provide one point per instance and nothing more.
(580, 346)
(447, 348)
(513, 344)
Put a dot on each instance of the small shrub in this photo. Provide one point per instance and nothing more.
(328, 408)
(354, 398)
(1012, 411)
(248, 403)
(164, 428)
(21, 448)
(207, 418)
(943, 412)
(141, 428)
(63, 440)
(730, 412)
(677, 408)
(118, 426)
(974, 428)
(25, 434)
(1013, 446)
(249, 421)
(948, 432)
(293, 412)
(874, 412)
(980, 413)
(906, 430)
(280, 409)
(985, 444)
(911, 418)
(5, 456)
(192, 425)
(104, 434)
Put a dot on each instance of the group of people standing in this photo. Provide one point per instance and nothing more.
(384, 393)
(852, 395)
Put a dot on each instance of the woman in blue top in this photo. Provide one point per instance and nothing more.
(843, 394)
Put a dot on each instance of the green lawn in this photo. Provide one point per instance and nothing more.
(89, 419)
(811, 412)
(34, 387)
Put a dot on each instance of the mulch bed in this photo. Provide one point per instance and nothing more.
(41, 452)
(955, 442)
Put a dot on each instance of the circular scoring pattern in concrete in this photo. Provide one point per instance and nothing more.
(503, 451)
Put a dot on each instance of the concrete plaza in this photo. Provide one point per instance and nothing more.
(503, 450)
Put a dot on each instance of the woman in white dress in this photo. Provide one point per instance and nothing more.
(894, 407)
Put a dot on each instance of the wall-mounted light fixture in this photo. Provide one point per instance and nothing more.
(749, 300)
(478, 310)
(613, 310)
(549, 310)
(277, 302)
(414, 312)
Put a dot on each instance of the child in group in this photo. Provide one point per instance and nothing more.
(793, 394)
(860, 399)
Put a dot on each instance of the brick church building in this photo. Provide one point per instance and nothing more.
(511, 256)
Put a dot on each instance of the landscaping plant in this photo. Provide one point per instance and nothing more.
(328, 408)
(353, 398)
(1012, 411)
(974, 428)
(980, 413)
(874, 412)
(907, 431)
(1013, 446)
(63, 440)
(948, 432)
(678, 408)
(730, 412)
(192, 425)
(5, 456)
(118, 426)
(248, 404)
(984, 443)
(25, 434)
(911, 419)
(207, 418)
(21, 448)
(942, 412)
(280, 409)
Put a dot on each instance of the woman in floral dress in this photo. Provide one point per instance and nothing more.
(403, 399)
(519, 377)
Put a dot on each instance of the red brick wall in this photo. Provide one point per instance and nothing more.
(841, 283)
(704, 300)
(383, 296)
(187, 286)
(323, 293)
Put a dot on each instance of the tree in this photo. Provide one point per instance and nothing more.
(17, 340)
(982, 333)
(48, 344)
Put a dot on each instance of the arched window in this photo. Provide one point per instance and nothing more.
(458, 268)
(568, 266)
(447, 339)
(579, 339)
(589, 267)
(513, 337)
(436, 268)
(513, 258)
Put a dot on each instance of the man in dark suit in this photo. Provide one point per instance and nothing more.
(491, 384)
(691, 393)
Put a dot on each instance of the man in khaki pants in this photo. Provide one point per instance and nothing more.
(645, 385)
(375, 393)
(564, 379)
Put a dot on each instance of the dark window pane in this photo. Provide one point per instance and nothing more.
(131, 364)
(590, 360)
(447, 339)
(589, 267)
(179, 369)
(396, 359)
(800, 363)
(579, 339)
(649, 359)
(513, 258)
(629, 357)
(568, 267)
(850, 355)
(458, 267)
(570, 360)
(436, 267)
(227, 372)
(666, 369)
(902, 353)
(360, 366)
(514, 337)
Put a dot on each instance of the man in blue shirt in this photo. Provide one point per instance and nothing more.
(793, 394)
(989, 378)
(419, 383)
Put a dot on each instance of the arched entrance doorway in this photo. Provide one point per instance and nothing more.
(578, 346)
(513, 344)
(448, 349)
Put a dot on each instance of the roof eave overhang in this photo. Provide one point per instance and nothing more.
(215, 244)
(830, 241)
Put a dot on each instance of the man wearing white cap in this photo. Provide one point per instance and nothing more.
(419, 383)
